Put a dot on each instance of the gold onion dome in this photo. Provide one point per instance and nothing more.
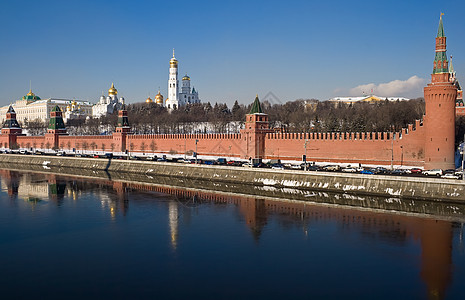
(112, 90)
(186, 78)
(159, 98)
(149, 100)
(173, 61)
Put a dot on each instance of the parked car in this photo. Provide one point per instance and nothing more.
(331, 168)
(450, 176)
(398, 172)
(221, 161)
(349, 170)
(247, 165)
(416, 171)
(381, 170)
(277, 167)
(367, 172)
(313, 168)
(433, 172)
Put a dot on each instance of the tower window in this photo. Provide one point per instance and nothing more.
(438, 149)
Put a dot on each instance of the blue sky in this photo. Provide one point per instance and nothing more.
(232, 50)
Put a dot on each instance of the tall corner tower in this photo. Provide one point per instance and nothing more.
(439, 120)
(173, 91)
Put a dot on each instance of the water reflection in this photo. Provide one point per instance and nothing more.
(435, 236)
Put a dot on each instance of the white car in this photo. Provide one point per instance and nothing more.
(349, 170)
(450, 176)
(433, 172)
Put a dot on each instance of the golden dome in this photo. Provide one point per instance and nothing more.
(186, 78)
(159, 98)
(30, 93)
(149, 100)
(112, 91)
(173, 61)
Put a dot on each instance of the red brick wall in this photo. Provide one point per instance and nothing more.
(208, 144)
(365, 148)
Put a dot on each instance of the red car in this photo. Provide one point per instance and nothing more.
(416, 171)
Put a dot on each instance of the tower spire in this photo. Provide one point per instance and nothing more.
(173, 52)
(440, 65)
(441, 27)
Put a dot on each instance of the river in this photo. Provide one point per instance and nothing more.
(65, 237)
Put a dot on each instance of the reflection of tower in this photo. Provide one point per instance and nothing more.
(436, 256)
(254, 211)
(173, 217)
(11, 180)
(121, 192)
(56, 188)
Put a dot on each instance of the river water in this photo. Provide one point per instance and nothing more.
(64, 237)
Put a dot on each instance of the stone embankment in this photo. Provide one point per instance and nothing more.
(389, 186)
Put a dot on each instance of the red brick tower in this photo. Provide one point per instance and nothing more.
(253, 135)
(11, 128)
(439, 120)
(122, 129)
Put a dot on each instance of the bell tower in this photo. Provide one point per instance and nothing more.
(439, 120)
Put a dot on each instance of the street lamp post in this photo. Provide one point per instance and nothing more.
(392, 152)
(305, 161)
(463, 158)
(196, 141)
(401, 155)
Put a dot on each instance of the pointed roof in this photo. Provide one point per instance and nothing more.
(11, 110)
(56, 108)
(256, 108)
(441, 27)
(451, 67)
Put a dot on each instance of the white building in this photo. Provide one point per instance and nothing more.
(108, 104)
(368, 99)
(31, 107)
(186, 96)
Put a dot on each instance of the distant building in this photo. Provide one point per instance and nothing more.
(158, 99)
(32, 107)
(459, 105)
(186, 96)
(366, 99)
(108, 104)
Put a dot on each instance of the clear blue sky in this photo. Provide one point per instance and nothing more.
(231, 49)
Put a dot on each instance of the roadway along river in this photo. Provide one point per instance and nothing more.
(65, 237)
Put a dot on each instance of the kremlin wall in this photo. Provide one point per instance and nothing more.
(429, 143)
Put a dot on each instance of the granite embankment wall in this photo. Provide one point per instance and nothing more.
(403, 187)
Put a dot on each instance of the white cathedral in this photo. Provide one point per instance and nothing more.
(108, 104)
(175, 98)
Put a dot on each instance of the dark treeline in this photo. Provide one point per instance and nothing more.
(325, 116)
(294, 116)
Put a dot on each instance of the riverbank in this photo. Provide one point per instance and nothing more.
(358, 184)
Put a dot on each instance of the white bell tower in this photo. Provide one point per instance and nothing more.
(173, 85)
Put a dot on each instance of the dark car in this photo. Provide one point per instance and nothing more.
(398, 172)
